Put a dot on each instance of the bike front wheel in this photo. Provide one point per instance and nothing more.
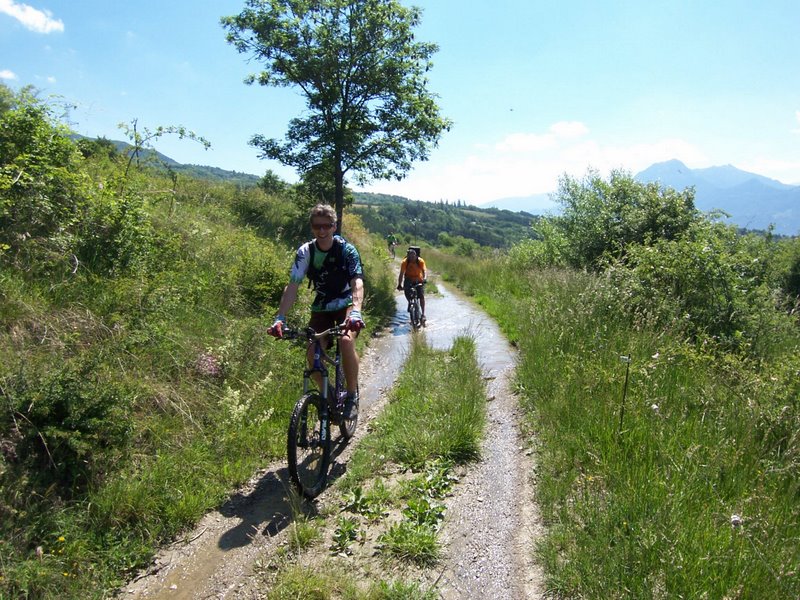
(308, 446)
(347, 427)
(416, 314)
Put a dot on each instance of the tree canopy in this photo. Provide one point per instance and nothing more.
(363, 76)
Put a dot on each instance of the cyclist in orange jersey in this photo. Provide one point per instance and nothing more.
(412, 270)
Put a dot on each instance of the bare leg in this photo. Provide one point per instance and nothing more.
(316, 376)
(347, 345)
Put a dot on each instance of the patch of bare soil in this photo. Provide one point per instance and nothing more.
(490, 525)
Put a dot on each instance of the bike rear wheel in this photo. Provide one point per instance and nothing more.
(308, 446)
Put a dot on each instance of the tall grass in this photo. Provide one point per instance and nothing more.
(133, 401)
(684, 484)
(436, 412)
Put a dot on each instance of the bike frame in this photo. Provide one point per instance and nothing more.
(313, 440)
(321, 359)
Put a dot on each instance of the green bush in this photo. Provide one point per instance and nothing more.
(710, 283)
(117, 234)
(42, 189)
(601, 219)
(69, 425)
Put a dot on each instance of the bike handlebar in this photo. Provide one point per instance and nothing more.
(308, 333)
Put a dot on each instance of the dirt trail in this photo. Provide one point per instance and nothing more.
(491, 521)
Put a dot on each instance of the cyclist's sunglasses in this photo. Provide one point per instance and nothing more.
(322, 226)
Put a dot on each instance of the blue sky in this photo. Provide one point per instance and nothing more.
(535, 88)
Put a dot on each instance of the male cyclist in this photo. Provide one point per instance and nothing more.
(333, 266)
(391, 242)
(412, 268)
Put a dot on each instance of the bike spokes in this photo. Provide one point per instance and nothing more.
(308, 446)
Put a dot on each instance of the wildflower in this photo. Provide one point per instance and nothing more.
(655, 356)
(654, 407)
(208, 365)
(61, 538)
(736, 520)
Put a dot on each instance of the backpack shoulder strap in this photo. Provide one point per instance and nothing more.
(312, 270)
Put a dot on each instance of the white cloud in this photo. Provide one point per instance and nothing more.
(7, 74)
(569, 129)
(535, 142)
(785, 171)
(527, 163)
(40, 21)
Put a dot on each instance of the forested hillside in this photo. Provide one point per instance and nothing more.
(449, 225)
(137, 383)
(159, 162)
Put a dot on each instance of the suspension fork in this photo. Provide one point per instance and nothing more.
(318, 366)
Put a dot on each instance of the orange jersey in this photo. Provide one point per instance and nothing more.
(414, 271)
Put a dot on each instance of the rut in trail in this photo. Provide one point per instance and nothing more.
(491, 521)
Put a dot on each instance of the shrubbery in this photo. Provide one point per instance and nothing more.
(137, 383)
(666, 264)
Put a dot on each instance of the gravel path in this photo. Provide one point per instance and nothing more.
(491, 522)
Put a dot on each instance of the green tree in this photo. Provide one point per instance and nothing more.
(271, 183)
(600, 219)
(363, 77)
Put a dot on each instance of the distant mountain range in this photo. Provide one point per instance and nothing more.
(753, 201)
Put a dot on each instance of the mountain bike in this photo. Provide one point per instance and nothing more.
(308, 446)
(414, 307)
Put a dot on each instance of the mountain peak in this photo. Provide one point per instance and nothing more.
(751, 200)
(672, 173)
(669, 164)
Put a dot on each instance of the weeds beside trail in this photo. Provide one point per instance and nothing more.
(685, 483)
(135, 396)
(388, 508)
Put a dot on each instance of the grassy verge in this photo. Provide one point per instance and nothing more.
(390, 503)
(672, 475)
(134, 400)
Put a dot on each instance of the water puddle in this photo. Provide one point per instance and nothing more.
(450, 315)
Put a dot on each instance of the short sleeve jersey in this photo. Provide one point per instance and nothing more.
(333, 291)
(413, 270)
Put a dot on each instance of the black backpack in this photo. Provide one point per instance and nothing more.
(334, 262)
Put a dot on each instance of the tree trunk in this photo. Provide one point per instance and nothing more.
(339, 192)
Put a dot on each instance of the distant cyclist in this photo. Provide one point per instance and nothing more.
(412, 269)
(333, 266)
(391, 242)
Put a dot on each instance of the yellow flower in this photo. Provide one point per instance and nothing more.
(61, 538)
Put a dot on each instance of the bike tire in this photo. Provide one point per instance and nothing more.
(416, 314)
(308, 446)
(347, 427)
